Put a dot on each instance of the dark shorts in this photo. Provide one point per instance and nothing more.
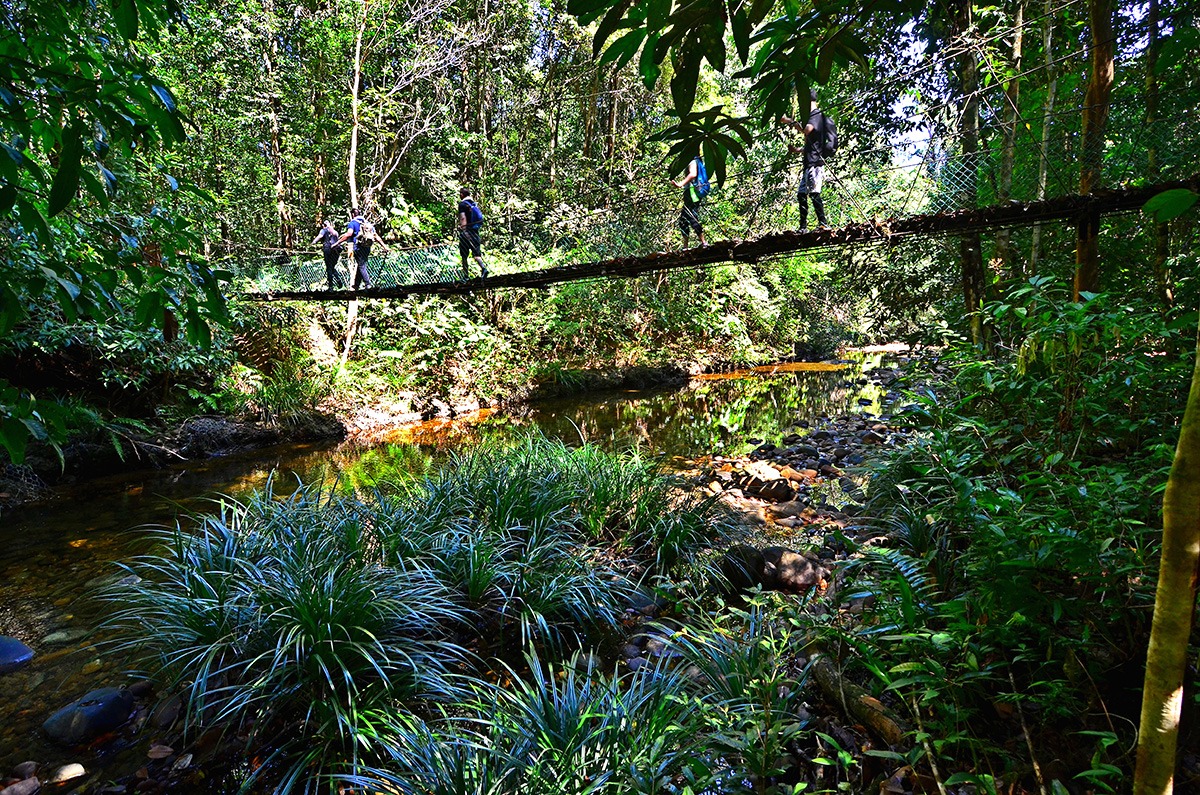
(689, 216)
(468, 241)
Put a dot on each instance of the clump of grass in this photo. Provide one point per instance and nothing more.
(308, 622)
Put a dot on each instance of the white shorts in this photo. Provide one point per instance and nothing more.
(811, 179)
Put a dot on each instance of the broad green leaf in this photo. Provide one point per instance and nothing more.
(66, 179)
(126, 14)
(1170, 204)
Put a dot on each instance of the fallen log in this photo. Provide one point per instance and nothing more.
(857, 703)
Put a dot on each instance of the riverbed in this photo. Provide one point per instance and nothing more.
(58, 552)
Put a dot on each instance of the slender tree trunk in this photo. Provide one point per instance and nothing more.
(1012, 115)
(974, 277)
(610, 143)
(286, 227)
(1095, 121)
(355, 91)
(1035, 252)
(1161, 231)
(1174, 607)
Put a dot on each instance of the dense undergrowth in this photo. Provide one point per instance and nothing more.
(1014, 595)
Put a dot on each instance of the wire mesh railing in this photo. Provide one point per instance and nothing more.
(924, 174)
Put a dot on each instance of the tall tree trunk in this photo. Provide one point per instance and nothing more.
(286, 227)
(1035, 250)
(1161, 231)
(1095, 121)
(974, 277)
(1012, 117)
(610, 141)
(355, 91)
(1174, 607)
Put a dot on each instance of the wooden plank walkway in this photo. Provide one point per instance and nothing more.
(768, 246)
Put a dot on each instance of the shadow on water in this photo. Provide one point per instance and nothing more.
(56, 553)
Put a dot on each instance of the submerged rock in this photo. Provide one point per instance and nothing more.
(13, 654)
(85, 719)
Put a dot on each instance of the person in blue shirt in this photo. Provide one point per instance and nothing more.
(332, 248)
(470, 219)
(689, 216)
(362, 235)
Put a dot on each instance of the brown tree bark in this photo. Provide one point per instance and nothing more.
(974, 277)
(355, 102)
(1035, 249)
(1095, 122)
(1161, 231)
(1174, 608)
(1012, 117)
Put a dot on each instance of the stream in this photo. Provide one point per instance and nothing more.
(57, 552)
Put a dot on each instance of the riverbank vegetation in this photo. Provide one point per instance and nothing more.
(985, 620)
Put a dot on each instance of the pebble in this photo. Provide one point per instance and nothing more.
(65, 636)
(13, 654)
(68, 772)
(27, 787)
(25, 770)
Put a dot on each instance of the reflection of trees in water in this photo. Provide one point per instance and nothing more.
(702, 417)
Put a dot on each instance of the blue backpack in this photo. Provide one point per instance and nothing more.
(703, 186)
(474, 214)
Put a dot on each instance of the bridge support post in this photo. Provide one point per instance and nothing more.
(1087, 252)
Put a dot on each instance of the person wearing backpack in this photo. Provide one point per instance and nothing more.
(332, 248)
(470, 218)
(820, 144)
(695, 186)
(362, 236)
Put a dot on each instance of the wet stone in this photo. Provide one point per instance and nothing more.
(13, 654)
(97, 712)
(68, 772)
(27, 787)
(25, 770)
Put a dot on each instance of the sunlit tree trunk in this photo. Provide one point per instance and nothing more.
(1035, 251)
(1174, 607)
(283, 213)
(1012, 118)
(355, 99)
(1161, 231)
(1095, 121)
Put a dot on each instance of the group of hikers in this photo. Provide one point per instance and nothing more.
(820, 142)
(362, 237)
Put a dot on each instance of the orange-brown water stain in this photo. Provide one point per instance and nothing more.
(773, 369)
(434, 433)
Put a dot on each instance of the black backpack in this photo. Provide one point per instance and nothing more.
(829, 138)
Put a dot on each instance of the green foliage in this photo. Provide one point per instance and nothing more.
(83, 108)
(1022, 524)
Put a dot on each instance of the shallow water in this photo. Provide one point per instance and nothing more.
(56, 553)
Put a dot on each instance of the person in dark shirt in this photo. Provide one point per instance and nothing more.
(813, 169)
(689, 216)
(332, 248)
(361, 233)
(470, 219)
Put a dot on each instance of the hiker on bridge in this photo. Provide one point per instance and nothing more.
(332, 248)
(820, 142)
(470, 219)
(362, 236)
(695, 186)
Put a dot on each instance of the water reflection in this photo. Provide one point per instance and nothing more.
(57, 552)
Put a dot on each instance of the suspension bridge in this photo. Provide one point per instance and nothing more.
(909, 189)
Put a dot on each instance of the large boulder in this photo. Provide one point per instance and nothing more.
(13, 654)
(87, 718)
(746, 567)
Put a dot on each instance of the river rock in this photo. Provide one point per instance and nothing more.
(772, 569)
(13, 654)
(778, 490)
(25, 770)
(97, 712)
(68, 772)
(65, 636)
(27, 787)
